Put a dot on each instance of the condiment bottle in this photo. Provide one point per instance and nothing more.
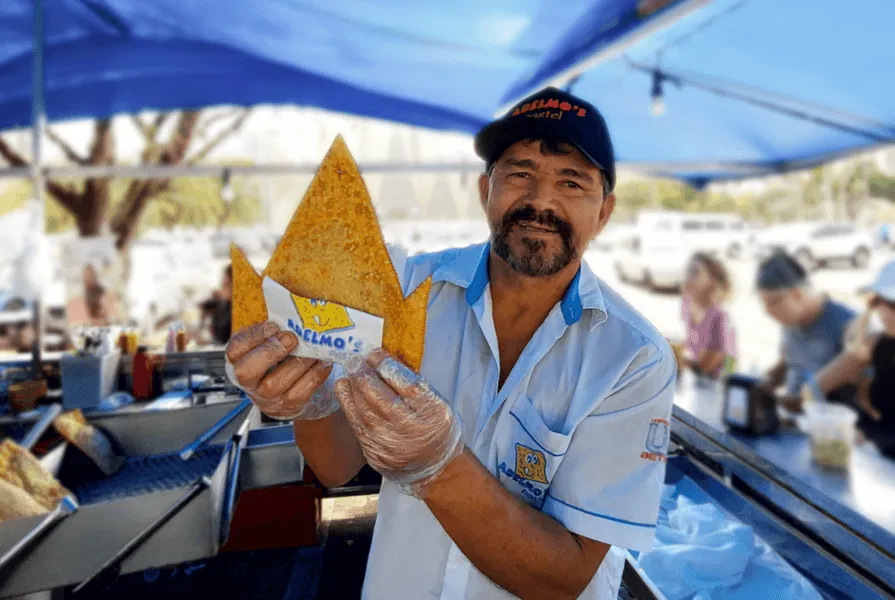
(142, 374)
(181, 339)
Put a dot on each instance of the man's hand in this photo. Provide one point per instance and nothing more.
(407, 431)
(281, 386)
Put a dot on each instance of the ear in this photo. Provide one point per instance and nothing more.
(606, 210)
(484, 186)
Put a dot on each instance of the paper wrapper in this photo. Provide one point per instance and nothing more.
(325, 330)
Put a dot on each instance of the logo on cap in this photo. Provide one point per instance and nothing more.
(549, 104)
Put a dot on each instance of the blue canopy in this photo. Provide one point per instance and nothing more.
(454, 65)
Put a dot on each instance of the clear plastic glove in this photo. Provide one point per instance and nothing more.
(283, 387)
(407, 431)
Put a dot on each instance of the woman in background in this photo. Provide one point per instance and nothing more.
(711, 341)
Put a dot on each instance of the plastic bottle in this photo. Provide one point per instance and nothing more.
(142, 374)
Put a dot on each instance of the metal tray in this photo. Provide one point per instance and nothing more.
(117, 509)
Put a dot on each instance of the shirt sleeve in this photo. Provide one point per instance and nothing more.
(723, 335)
(609, 484)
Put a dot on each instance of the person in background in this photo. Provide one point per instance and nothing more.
(871, 356)
(17, 336)
(216, 310)
(97, 306)
(814, 328)
(711, 340)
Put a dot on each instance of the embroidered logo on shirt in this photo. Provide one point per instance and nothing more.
(531, 464)
(532, 493)
(657, 440)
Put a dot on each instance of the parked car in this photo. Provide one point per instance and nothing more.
(818, 244)
(655, 263)
(724, 235)
(612, 237)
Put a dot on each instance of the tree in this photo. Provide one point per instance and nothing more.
(881, 186)
(189, 201)
(168, 139)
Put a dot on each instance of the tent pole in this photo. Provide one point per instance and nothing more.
(39, 119)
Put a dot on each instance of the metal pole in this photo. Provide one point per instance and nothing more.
(39, 119)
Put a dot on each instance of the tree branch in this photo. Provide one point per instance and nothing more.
(124, 224)
(139, 124)
(175, 149)
(103, 150)
(219, 138)
(65, 195)
(11, 156)
(206, 125)
(69, 152)
(151, 130)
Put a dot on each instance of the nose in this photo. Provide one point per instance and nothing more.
(541, 195)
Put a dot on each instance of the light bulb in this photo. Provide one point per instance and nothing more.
(657, 106)
(227, 193)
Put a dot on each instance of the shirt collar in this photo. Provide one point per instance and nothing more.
(468, 268)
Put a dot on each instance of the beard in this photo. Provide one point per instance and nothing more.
(534, 258)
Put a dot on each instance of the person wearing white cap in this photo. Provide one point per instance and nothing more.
(876, 389)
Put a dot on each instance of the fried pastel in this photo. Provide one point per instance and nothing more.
(21, 469)
(16, 503)
(248, 298)
(333, 250)
(88, 439)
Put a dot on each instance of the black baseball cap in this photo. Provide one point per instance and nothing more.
(551, 114)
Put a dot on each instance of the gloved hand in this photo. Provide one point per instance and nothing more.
(283, 387)
(407, 431)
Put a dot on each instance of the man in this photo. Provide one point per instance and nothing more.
(814, 331)
(534, 438)
(217, 309)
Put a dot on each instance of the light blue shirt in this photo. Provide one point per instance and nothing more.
(579, 430)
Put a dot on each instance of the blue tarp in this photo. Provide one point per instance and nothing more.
(453, 65)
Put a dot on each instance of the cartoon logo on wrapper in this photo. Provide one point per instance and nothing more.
(657, 440)
(320, 320)
(325, 330)
(322, 316)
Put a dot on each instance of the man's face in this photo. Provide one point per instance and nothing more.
(699, 282)
(543, 206)
(784, 306)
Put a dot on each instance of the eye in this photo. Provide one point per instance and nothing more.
(520, 174)
(570, 184)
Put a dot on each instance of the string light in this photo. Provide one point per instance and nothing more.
(657, 102)
(228, 194)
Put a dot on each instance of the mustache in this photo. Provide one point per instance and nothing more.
(546, 218)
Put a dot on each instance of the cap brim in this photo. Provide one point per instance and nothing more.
(886, 293)
(493, 139)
